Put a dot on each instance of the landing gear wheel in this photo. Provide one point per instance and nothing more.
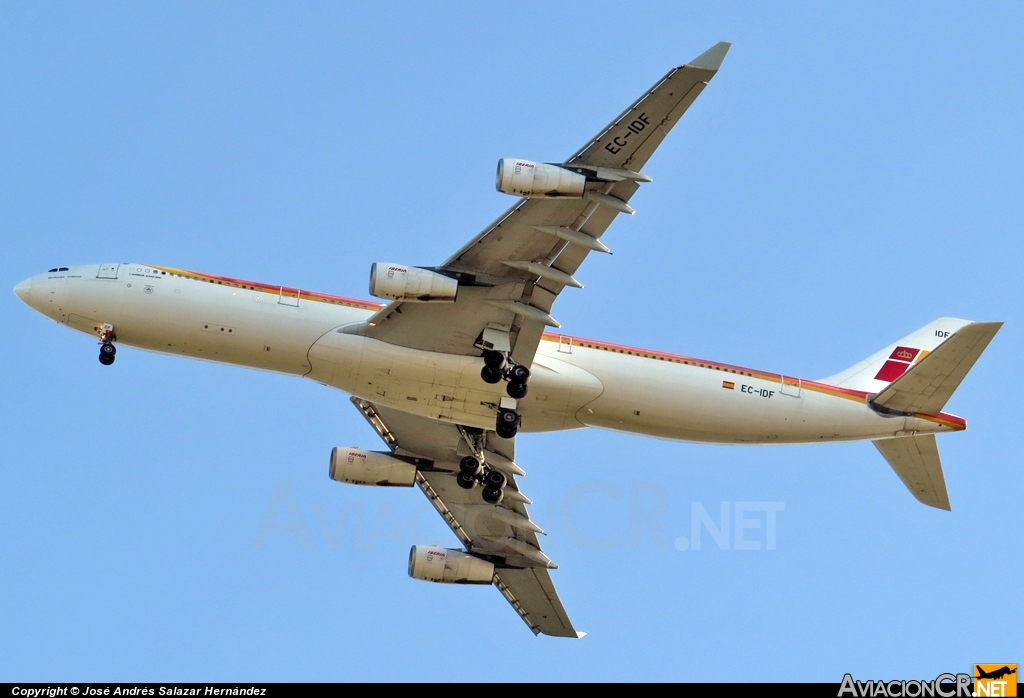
(493, 495)
(494, 479)
(465, 481)
(508, 419)
(108, 349)
(490, 374)
(506, 433)
(494, 359)
(470, 466)
(106, 360)
(507, 424)
(519, 374)
(516, 390)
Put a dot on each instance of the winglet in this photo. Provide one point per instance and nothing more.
(712, 58)
(580, 635)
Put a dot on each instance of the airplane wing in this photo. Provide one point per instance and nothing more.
(510, 274)
(503, 533)
(509, 277)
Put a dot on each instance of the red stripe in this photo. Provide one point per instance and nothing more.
(267, 288)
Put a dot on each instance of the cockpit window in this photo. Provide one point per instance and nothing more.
(63, 269)
(57, 269)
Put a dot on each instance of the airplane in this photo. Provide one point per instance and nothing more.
(995, 674)
(459, 360)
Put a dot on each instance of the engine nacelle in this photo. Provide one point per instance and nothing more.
(433, 564)
(358, 467)
(525, 178)
(398, 282)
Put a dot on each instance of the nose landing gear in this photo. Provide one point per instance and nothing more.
(107, 353)
(107, 348)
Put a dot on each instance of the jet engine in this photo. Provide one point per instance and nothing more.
(433, 564)
(398, 282)
(358, 467)
(525, 178)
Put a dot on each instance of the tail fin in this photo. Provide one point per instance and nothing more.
(928, 384)
(918, 375)
(875, 373)
(916, 460)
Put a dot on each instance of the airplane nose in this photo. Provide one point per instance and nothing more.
(24, 290)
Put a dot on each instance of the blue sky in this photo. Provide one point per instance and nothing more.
(851, 174)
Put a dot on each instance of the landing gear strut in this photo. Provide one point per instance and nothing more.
(107, 348)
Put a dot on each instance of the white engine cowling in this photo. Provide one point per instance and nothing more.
(358, 467)
(433, 564)
(525, 178)
(398, 282)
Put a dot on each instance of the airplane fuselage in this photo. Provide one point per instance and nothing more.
(575, 382)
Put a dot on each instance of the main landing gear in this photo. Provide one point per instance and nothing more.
(499, 366)
(107, 348)
(472, 471)
(508, 423)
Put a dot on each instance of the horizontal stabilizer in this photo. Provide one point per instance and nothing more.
(927, 385)
(916, 460)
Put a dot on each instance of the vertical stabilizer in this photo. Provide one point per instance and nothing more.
(929, 383)
(878, 370)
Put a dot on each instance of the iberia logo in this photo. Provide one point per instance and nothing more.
(995, 679)
(899, 361)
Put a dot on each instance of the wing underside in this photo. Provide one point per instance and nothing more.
(503, 533)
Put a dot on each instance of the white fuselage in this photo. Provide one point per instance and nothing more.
(575, 382)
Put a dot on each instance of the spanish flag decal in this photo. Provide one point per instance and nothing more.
(728, 385)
